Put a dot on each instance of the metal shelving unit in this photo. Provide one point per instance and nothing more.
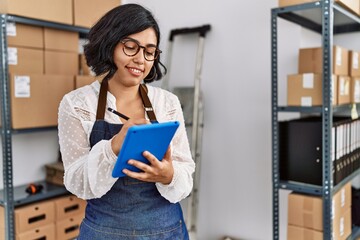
(13, 197)
(326, 18)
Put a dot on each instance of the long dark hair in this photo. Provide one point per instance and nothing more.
(115, 25)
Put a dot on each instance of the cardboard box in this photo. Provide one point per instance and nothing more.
(35, 99)
(69, 206)
(68, 228)
(55, 173)
(306, 90)
(343, 90)
(88, 12)
(81, 81)
(45, 232)
(306, 210)
(25, 60)
(285, 3)
(22, 35)
(351, 5)
(60, 11)
(354, 64)
(34, 216)
(355, 90)
(62, 63)
(310, 60)
(300, 233)
(61, 40)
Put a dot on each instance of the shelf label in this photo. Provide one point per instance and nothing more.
(11, 29)
(12, 56)
(308, 80)
(306, 101)
(22, 86)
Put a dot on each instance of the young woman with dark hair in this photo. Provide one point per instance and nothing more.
(123, 48)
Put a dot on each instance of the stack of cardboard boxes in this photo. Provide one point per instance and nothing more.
(351, 5)
(58, 218)
(305, 88)
(305, 216)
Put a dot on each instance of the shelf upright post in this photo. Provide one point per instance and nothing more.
(6, 134)
(327, 53)
(274, 120)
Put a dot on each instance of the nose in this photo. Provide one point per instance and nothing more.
(139, 57)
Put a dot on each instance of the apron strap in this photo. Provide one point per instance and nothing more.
(100, 113)
(147, 104)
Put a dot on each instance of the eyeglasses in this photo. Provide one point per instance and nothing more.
(132, 47)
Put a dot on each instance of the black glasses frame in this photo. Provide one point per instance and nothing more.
(157, 51)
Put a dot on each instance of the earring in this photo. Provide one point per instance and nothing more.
(153, 75)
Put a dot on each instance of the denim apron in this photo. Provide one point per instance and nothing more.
(132, 209)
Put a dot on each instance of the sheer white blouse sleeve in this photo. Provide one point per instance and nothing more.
(88, 170)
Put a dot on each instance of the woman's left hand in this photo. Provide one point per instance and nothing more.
(156, 171)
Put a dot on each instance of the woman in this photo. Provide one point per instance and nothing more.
(123, 49)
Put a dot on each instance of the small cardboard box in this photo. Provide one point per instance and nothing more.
(25, 60)
(88, 12)
(355, 90)
(300, 233)
(306, 90)
(35, 99)
(351, 5)
(55, 173)
(81, 81)
(354, 64)
(343, 90)
(285, 3)
(68, 228)
(45, 232)
(310, 60)
(34, 216)
(22, 35)
(62, 63)
(306, 210)
(60, 11)
(61, 40)
(69, 206)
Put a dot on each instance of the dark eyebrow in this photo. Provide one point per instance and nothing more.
(148, 45)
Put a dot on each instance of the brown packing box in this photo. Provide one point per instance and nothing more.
(88, 12)
(306, 210)
(35, 99)
(61, 40)
(351, 5)
(285, 3)
(63, 63)
(34, 216)
(343, 90)
(25, 60)
(22, 35)
(68, 228)
(55, 173)
(355, 90)
(310, 60)
(354, 64)
(44, 232)
(300, 233)
(69, 206)
(81, 81)
(306, 90)
(55, 10)
(342, 225)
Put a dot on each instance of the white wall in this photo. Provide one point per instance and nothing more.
(235, 190)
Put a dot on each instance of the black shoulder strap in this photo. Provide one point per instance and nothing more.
(100, 113)
(147, 104)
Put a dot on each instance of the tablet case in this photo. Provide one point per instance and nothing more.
(154, 138)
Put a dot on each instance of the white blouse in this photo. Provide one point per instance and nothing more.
(88, 170)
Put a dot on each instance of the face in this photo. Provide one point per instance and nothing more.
(133, 69)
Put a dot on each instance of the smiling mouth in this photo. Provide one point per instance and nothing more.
(136, 71)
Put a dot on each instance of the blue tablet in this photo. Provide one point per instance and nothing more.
(154, 138)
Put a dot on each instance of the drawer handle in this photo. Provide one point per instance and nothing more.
(72, 208)
(71, 229)
(37, 218)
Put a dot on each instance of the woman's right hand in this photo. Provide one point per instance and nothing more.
(118, 139)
